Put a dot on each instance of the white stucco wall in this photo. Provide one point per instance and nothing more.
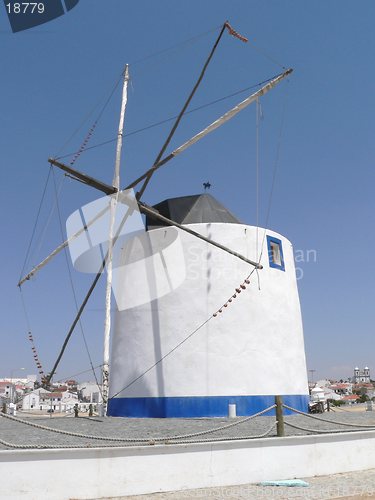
(255, 347)
(101, 472)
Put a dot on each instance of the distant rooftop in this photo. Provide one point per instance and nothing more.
(195, 209)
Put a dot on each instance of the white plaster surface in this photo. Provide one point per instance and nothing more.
(96, 473)
(255, 347)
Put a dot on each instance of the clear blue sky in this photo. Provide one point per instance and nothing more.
(54, 76)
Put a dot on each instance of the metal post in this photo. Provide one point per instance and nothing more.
(279, 416)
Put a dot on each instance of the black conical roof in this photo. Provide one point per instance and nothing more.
(195, 209)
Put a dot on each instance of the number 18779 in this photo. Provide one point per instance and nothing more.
(25, 8)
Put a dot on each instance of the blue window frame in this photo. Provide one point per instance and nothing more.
(275, 253)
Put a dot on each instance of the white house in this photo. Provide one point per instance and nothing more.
(43, 400)
(32, 400)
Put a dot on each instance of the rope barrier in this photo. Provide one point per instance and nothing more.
(51, 446)
(166, 120)
(235, 438)
(150, 442)
(320, 431)
(137, 440)
(325, 420)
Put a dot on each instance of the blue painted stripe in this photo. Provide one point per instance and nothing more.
(195, 406)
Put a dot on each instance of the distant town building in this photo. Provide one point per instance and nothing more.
(6, 389)
(89, 392)
(31, 401)
(43, 400)
(351, 398)
(361, 375)
(343, 389)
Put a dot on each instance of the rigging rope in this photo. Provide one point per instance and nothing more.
(179, 44)
(42, 237)
(257, 113)
(30, 337)
(162, 122)
(95, 122)
(260, 50)
(181, 114)
(274, 174)
(79, 373)
(72, 284)
(92, 129)
(36, 223)
(136, 62)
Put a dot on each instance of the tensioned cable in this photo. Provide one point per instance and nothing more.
(79, 373)
(162, 122)
(91, 112)
(266, 54)
(257, 174)
(30, 336)
(162, 358)
(257, 181)
(27, 318)
(224, 28)
(256, 47)
(72, 284)
(177, 45)
(36, 223)
(50, 215)
(77, 153)
(275, 170)
(134, 63)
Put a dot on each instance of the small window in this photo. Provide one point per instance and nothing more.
(275, 253)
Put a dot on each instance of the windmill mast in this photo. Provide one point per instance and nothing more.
(113, 203)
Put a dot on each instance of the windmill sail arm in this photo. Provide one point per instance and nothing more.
(213, 126)
(43, 263)
(111, 190)
(229, 114)
(63, 245)
(86, 179)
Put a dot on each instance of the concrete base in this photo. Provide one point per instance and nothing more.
(102, 472)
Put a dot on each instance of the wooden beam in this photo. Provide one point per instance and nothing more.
(86, 179)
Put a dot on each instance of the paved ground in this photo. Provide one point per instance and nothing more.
(356, 485)
(353, 486)
(20, 434)
(359, 485)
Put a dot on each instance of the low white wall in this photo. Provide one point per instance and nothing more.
(101, 472)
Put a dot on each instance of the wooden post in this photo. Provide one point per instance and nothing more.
(109, 264)
(279, 416)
